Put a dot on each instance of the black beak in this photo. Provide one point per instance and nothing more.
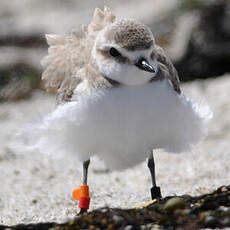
(144, 65)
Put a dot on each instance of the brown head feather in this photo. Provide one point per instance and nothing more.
(130, 34)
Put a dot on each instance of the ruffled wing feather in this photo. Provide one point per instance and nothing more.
(167, 69)
(69, 56)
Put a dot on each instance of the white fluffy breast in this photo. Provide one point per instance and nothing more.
(122, 125)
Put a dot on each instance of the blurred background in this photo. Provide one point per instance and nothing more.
(196, 36)
(195, 33)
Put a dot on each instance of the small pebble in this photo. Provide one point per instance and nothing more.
(91, 227)
(16, 172)
(210, 221)
(118, 219)
(34, 201)
(104, 221)
(224, 189)
(128, 227)
(203, 215)
(174, 203)
(110, 227)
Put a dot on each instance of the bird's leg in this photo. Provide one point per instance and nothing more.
(85, 171)
(82, 193)
(85, 177)
(155, 190)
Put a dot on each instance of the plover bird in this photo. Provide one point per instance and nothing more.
(118, 97)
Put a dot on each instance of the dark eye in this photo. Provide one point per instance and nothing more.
(114, 52)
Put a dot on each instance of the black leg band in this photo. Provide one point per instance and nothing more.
(156, 192)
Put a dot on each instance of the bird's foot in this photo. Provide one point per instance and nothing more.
(155, 192)
(82, 211)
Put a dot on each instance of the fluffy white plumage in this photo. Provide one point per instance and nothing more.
(121, 125)
(100, 110)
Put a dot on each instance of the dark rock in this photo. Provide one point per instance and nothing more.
(208, 51)
(18, 81)
(25, 41)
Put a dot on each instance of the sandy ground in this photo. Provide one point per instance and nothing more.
(36, 187)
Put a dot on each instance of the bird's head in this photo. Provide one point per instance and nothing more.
(124, 52)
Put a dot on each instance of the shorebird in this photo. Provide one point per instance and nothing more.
(118, 97)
